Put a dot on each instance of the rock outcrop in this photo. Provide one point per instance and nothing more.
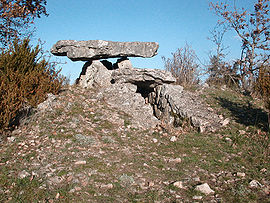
(174, 105)
(126, 98)
(100, 49)
(148, 95)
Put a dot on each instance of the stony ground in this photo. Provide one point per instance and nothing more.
(82, 150)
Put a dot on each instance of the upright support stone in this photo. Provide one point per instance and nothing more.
(95, 74)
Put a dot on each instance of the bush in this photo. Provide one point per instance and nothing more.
(222, 73)
(263, 86)
(183, 66)
(25, 79)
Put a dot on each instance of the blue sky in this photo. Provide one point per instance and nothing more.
(171, 23)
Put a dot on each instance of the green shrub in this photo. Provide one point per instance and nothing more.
(25, 79)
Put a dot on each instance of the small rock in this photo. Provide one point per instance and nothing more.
(205, 85)
(242, 132)
(239, 174)
(263, 170)
(145, 164)
(196, 179)
(155, 140)
(80, 162)
(267, 190)
(176, 160)
(57, 196)
(225, 122)
(205, 189)
(173, 139)
(178, 184)
(108, 186)
(23, 174)
(151, 184)
(228, 139)
(202, 129)
(72, 190)
(197, 197)
(177, 196)
(76, 188)
(254, 184)
(11, 139)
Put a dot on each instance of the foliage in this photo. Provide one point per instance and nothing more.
(253, 29)
(17, 15)
(183, 66)
(25, 79)
(263, 86)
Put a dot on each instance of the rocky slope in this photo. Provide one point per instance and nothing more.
(77, 147)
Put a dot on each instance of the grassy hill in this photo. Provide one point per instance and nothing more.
(82, 150)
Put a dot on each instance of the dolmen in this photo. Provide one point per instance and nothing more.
(150, 96)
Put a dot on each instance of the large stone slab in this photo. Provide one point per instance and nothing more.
(100, 49)
(142, 77)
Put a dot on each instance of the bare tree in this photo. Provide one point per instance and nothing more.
(215, 68)
(221, 72)
(183, 66)
(253, 30)
(16, 16)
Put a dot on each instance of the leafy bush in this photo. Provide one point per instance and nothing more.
(25, 79)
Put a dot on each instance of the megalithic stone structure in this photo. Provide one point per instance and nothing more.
(101, 49)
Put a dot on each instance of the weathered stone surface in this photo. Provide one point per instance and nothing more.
(142, 77)
(125, 98)
(95, 74)
(174, 105)
(204, 188)
(122, 63)
(100, 49)
(48, 104)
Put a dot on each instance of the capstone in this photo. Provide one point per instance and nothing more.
(101, 49)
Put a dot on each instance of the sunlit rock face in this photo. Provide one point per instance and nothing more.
(101, 49)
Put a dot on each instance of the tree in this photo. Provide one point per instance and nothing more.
(183, 66)
(16, 16)
(253, 30)
(216, 66)
(221, 72)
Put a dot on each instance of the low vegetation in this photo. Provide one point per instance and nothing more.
(83, 150)
(75, 152)
(25, 80)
